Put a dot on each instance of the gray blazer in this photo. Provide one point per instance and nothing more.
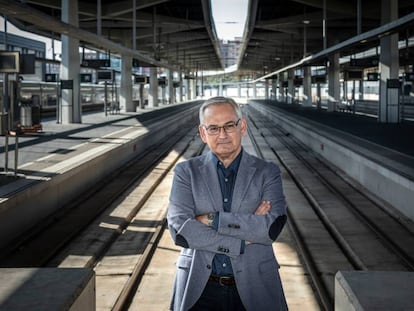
(196, 191)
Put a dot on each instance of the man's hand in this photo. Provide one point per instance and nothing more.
(263, 208)
(206, 219)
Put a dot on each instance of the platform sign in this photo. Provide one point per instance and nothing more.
(9, 62)
(27, 64)
(298, 81)
(364, 62)
(353, 75)
(176, 84)
(393, 83)
(86, 78)
(409, 76)
(51, 77)
(318, 79)
(66, 84)
(96, 63)
(104, 75)
(162, 81)
(372, 76)
(141, 79)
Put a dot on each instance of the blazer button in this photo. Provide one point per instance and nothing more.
(237, 226)
(208, 267)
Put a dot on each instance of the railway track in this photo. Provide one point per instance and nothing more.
(115, 228)
(341, 227)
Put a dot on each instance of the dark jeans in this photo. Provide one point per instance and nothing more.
(216, 297)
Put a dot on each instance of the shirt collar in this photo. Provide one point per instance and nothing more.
(233, 166)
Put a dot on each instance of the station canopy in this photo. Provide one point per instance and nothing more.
(180, 34)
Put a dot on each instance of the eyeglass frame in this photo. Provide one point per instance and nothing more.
(230, 123)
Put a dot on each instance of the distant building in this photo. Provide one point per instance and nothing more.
(230, 50)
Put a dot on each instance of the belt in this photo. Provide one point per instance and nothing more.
(223, 280)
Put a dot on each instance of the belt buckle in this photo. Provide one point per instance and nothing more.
(221, 278)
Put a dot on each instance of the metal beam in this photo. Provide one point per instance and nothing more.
(28, 14)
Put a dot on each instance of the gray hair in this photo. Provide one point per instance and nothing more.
(219, 100)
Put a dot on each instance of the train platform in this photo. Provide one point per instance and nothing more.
(54, 165)
(58, 138)
(39, 152)
(60, 147)
(380, 156)
(394, 136)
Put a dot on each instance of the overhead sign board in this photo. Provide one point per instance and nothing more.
(66, 84)
(372, 76)
(86, 78)
(27, 64)
(9, 62)
(141, 79)
(353, 75)
(104, 75)
(409, 76)
(96, 63)
(364, 62)
(51, 77)
(318, 79)
(162, 81)
(393, 83)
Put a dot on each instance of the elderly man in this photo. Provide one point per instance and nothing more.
(226, 209)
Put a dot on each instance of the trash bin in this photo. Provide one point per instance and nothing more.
(35, 115)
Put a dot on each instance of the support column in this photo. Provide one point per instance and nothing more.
(220, 92)
(70, 67)
(254, 90)
(318, 95)
(153, 90)
(333, 82)
(171, 95)
(281, 90)
(141, 95)
(291, 86)
(361, 90)
(188, 88)
(389, 106)
(239, 87)
(180, 88)
(125, 98)
(193, 84)
(274, 88)
(307, 87)
(164, 95)
(266, 82)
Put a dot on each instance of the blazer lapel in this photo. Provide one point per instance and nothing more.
(209, 175)
(244, 177)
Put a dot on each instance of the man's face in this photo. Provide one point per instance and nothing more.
(226, 145)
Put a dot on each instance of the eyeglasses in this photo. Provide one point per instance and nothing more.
(228, 128)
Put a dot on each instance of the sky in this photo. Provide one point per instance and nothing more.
(229, 17)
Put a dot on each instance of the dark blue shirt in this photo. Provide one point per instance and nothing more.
(227, 179)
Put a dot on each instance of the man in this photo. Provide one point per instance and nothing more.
(226, 209)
